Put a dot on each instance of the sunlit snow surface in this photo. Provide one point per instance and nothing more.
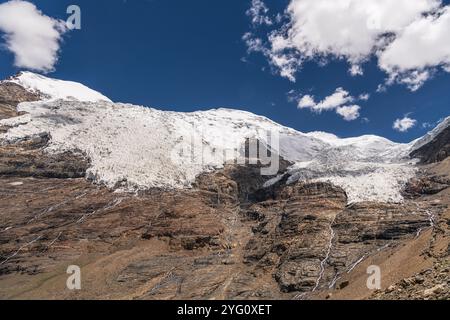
(139, 148)
(53, 89)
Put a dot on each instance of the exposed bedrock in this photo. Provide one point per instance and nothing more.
(29, 159)
(436, 150)
(308, 236)
(227, 237)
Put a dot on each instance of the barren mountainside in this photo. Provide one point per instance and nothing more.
(165, 205)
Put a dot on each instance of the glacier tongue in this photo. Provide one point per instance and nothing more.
(362, 181)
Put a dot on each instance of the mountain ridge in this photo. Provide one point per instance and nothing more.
(307, 232)
(140, 147)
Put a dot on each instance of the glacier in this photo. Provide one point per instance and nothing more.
(137, 148)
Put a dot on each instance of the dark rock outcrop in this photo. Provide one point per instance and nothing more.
(29, 159)
(425, 185)
(436, 150)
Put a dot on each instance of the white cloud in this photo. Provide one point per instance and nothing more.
(381, 88)
(349, 28)
(364, 97)
(306, 101)
(408, 37)
(338, 101)
(349, 113)
(421, 46)
(403, 125)
(253, 44)
(258, 13)
(31, 36)
(431, 125)
(356, 70)
(413, 79)
(338, 98)
(285, 63)
(427, 125)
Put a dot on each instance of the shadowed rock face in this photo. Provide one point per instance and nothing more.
(435, 151)
(226, 238)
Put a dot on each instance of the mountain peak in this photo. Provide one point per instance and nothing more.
(53, 89)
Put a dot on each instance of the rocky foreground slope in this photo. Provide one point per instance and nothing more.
(220, 231)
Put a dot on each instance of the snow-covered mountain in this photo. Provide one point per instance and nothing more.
(137, 147)
(53, 89)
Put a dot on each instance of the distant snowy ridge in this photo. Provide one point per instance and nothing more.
(430, 136)
(53, 89)
(135, 147)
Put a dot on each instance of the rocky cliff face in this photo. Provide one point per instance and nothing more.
(436, 150)
(227, 237)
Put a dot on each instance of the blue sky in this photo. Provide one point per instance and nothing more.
(189, 55)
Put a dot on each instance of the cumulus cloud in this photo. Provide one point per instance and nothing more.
(408, 46)
(349, 113)
(31, 36)
(306, 101)
(421, 46)
(403, 125)
(338, 98)
(338, 101)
